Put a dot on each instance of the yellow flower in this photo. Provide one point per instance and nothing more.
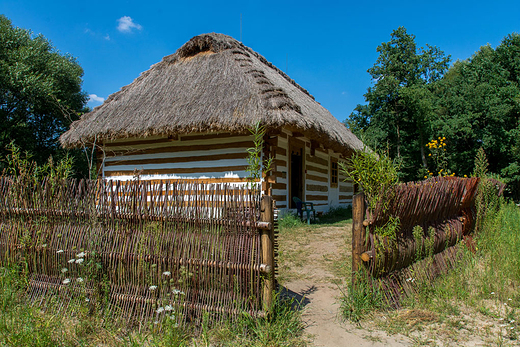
(429, 155)
(425, 176)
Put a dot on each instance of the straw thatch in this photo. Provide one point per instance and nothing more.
(212, 83)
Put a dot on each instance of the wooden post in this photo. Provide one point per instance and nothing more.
(267, 239)
(358, 232)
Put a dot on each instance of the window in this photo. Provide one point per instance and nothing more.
(333, 172)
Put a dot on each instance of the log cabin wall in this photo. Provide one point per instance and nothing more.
(318, 186)
(209, 157)
(222, 158)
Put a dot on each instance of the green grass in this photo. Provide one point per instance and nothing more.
(480, 297)
(22, 324)
(335, 216)
(283, 327)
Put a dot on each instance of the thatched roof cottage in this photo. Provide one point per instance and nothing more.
(188, 116)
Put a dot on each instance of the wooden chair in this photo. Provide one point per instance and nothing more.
(307, 207)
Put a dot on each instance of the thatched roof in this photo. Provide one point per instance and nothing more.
(212, 83)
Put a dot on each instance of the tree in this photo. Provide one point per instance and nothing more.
(478, 105)
(40, 92)
(400, 101)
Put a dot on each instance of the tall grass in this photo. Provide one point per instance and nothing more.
(23, 324)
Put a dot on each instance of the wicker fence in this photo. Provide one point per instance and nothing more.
(144, 250)
(433, 216)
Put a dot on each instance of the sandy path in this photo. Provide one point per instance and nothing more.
(312, 269)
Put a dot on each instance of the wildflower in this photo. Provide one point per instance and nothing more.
(80, 260)
(429, 154)
(79, 279)
(87, 299)
(60, 251)
(177, 292)
(63, 270)
(168, 308)
(80, 255)
(160, 310)
(492, 293)
(156, 322)
(166, 273)
(70, 261)
(152, 288)
(66, 281)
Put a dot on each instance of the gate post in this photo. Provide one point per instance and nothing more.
(267, 240)
(358, 232)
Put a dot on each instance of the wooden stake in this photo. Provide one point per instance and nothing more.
(267, 239)
(358, 232)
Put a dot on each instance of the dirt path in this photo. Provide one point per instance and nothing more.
(314, 263)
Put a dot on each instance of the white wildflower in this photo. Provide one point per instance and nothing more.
(512, 321)
(80, 255)
(160, 310)
(60, 251)
(166, 273)
(510, 299)
(87, 299)
(505, 303)
(177, 292)
(492, 293)
(79, 279)
(70, 261)
(66, 281)
(152, 288)
(156, 322)
(168, 308)
(63, 270)
(80, 260)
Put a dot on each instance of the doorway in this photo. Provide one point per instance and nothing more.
(296, 178)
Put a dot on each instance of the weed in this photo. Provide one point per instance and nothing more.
(361, 299)
(289, 221)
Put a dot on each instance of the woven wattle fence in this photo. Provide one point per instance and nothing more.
(144, 250)
(441, 211)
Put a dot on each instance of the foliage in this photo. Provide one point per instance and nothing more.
(22, 324)
(437, 149)
(376, 174)
(283, 327)
(361, 299)
(22, 165)
(487, 201)
(40, 93)
(474, 104)
(289, 221)
(400, 101)
(254, 158)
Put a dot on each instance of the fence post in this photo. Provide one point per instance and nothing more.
(267, 240)
(358, 232)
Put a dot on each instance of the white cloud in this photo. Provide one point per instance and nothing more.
(126, 24)
(107, 37)
(95, 98)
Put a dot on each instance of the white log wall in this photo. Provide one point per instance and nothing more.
(222, 158)
(212, 158)
(317, 187)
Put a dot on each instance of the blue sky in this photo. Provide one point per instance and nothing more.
(326, 46)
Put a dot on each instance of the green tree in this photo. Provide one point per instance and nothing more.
(400, 102)
(40, 92)
(478, 105)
